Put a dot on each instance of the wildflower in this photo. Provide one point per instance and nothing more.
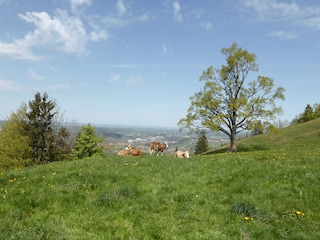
(299, 213)
(248, 218)
(54, 173)
(197, 196)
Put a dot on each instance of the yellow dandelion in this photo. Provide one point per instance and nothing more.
(197, 196)
(246, 218)
(299, 213)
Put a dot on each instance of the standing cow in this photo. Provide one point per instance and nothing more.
(157, 147)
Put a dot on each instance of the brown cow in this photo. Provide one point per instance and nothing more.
(124, 152)
(134, 152)
(158, 147)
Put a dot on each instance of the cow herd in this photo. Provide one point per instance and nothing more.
(155, 148)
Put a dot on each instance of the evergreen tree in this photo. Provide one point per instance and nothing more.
(87, 144)
(39, 127)
(202, 144)
(307, 115)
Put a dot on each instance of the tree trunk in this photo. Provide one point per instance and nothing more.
(233, 145)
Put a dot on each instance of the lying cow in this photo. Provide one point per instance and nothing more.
(181, 154)
(134, 152)
(157, 147)
(124, 152)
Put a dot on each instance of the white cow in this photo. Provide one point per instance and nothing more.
(181, 154)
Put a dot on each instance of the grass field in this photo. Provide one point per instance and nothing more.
(268, 190)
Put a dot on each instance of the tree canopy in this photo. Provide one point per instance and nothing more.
(228, 102)
(87, 144)
(39, 127)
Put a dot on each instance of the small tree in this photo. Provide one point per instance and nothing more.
(227, 103)
(316, 110)
(307, 115)
(14, 144)
(202, 144)
(87, 144)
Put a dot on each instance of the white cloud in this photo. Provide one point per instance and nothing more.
(33, 75)
(166, 49)
(132, 80)
(114, 78)
(122, 9)
(9, 85)
(207, 25)
(284, 35)
(127, 82)
(177, 11)
(18, 49)
(312, 22)
(60, 32)
(274, 10)
(76, 4)
(265, 10)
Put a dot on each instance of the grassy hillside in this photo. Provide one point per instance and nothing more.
(270, 190)
(299, 136)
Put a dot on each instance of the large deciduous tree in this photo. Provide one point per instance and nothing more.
(228, 102)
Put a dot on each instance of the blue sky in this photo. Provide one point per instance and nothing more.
(137, 62)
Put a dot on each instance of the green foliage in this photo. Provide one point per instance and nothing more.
(230, 104)
(14, 144)
(202, 144)
(87, 144)
(39, 127)
(310, 113)
(32, 135)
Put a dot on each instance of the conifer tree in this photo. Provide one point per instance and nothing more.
(202, 144)
(308, 114)
(87, 144)
(38, 127)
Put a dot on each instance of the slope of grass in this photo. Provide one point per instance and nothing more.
(299, 136)
(266, 192)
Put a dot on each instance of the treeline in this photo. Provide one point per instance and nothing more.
(35, 134)
(310, 113)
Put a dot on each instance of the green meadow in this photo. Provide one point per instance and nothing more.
(270, 189)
